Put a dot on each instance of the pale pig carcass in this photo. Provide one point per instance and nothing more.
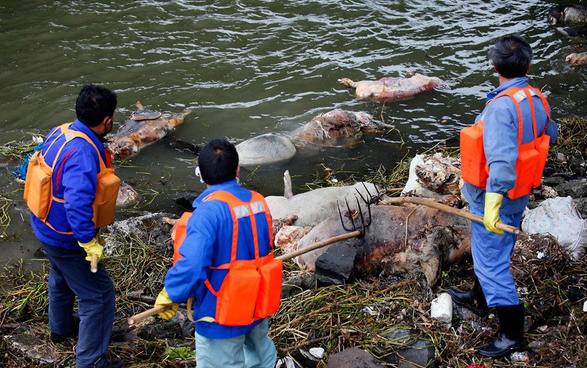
(393, 89)
(577, 58)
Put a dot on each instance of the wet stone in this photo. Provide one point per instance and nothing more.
(354, 358)
(419, 354)
(32, 347)
(573, 188)
(336, 264)
(414, 353)
(578, 166)
(553, 181)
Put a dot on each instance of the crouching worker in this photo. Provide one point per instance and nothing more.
(227, 267)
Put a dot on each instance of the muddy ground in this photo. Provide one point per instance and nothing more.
(363, 313)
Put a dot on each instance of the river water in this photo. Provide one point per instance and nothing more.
(251, 67)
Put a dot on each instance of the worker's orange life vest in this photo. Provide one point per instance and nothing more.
(251, 289)
(531, 156)
(39, 191)
(178, 233)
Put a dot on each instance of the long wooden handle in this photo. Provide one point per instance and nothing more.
(148, 313)
(94, 263)
(449, 209)
(320, 244)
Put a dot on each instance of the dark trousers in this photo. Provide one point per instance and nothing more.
(69, 277)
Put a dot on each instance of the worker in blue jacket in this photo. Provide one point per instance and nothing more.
(491, 247)
(208, 245)
(68, 234)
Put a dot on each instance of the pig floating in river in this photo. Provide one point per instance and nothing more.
(393, 89)
(143, 128)
(577, 58)
(336, 128)
(565, 14)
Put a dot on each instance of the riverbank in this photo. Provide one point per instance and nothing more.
(362, 314)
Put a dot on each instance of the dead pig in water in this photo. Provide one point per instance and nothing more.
(577, 58)
(399, 240)
(143, 128)
(392, 88)
(337, 128)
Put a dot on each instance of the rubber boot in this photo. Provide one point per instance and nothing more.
(511, 337)
(473, 299)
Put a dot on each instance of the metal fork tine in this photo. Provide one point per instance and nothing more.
(361, 215)
(371, 198)
(350, 214)
(360, 195)
(341, 219)
(363, 222)
(369, 211)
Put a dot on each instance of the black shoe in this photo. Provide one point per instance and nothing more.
(511, 337)
(473, 299)
(58, 339)
(112, 363)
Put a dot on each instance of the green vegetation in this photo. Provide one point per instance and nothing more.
(358, 314)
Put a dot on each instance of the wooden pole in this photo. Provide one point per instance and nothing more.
(148, 313)
(453, 211)
(94, 264)
(318, 245)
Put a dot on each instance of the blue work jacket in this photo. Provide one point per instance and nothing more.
(500, 142)
(208, 243)
(74, 180)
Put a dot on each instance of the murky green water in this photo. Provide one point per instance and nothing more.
(253, 67)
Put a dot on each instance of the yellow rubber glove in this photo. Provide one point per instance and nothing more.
(164, 300)
(491, 214)
(93, 247)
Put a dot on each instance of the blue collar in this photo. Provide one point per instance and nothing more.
(227, 186)
(514, 83)
(81, 127)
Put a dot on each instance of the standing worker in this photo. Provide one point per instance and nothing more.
(230, 226)
(502, 158)
(71, 191)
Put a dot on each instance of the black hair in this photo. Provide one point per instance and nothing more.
(511, 56)
(94, 103)
(218, 161)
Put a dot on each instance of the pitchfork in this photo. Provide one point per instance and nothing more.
(356, 230)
